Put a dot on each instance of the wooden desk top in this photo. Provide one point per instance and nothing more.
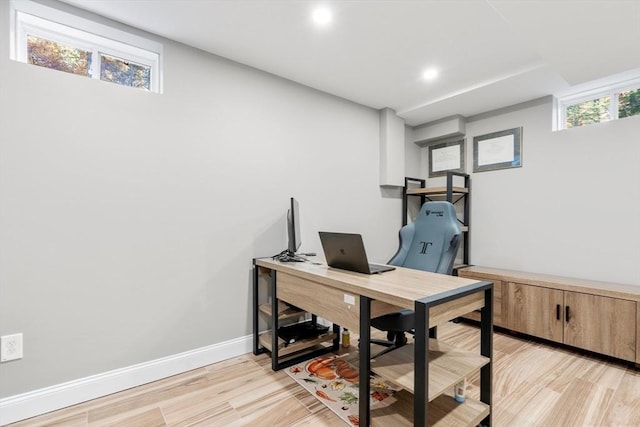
(400, 287)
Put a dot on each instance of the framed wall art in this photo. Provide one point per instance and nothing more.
(445, 157)
(497, 150)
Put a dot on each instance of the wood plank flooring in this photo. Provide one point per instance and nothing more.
(535, 384)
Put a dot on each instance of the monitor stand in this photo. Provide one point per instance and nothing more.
(288, 256)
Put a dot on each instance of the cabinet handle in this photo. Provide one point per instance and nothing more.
(566, 314)
(557, 311)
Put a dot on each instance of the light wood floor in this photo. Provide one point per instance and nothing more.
(534, 385)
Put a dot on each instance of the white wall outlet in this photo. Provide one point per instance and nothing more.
(349, 299)
(10, 347)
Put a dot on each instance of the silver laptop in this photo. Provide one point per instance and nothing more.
(346, 251)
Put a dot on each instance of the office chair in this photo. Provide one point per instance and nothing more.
(430, 243)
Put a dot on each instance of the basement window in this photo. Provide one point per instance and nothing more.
(597, 103)
(53, 39)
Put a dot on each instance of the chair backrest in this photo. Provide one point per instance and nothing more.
(431, 242)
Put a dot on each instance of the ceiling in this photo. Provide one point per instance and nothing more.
(489, 53)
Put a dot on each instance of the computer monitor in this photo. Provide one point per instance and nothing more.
(293, 227)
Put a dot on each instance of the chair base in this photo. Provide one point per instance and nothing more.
(394, 340)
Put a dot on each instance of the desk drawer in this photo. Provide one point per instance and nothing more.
(326, 302)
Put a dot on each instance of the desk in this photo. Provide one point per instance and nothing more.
(352, 299)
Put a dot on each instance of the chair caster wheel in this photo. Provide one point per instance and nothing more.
(401, 340)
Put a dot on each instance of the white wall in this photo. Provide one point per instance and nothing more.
(128, 220)
(571, 209)
(412, 154)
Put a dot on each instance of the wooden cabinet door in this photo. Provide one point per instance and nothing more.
(601, 324)
(533, 310)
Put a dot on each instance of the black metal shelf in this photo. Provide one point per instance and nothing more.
(452, 194)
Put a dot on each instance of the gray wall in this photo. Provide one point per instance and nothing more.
(411, 154)
(571, 209)
(128, 220)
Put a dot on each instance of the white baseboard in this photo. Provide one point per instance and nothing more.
(37, 402)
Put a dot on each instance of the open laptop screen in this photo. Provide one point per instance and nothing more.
(346, 251)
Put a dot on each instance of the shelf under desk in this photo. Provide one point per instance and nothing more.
(444, 411)
(447, 366)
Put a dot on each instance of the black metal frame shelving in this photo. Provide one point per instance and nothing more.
(450, 193)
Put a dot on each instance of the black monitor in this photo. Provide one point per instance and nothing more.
(295, 241)
(293, 227)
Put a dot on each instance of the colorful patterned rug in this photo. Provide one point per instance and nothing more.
(334, 382)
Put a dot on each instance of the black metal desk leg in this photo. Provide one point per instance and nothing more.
(421, 365)
(486, 349)
(336, 339)
(256, 333)
(365, 363)
(274, 323)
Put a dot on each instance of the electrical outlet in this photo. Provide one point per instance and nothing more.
(10, 347)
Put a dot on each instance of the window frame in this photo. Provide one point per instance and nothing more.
(33, 19)
(610, 87)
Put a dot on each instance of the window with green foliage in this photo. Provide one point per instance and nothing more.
(588, 112)
(629, 103)
(599, 105)
(41, 37)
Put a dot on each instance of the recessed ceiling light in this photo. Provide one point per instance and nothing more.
(321, 16)
(430, 74)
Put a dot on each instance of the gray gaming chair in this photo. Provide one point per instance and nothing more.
(430, 243)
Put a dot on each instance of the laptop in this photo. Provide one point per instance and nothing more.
(346, 251)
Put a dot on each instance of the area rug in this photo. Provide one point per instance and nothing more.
(334, 382)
